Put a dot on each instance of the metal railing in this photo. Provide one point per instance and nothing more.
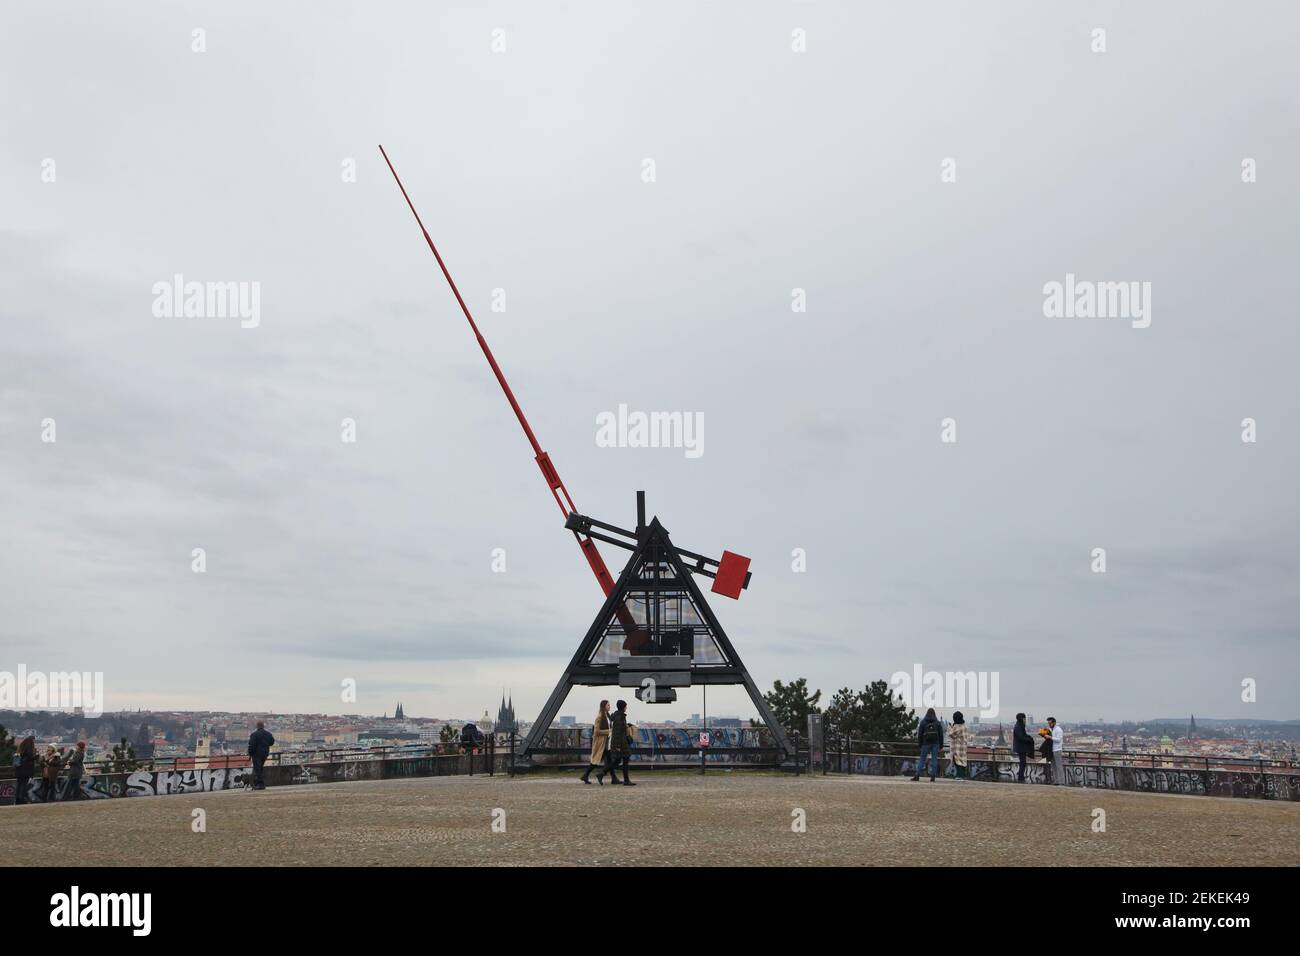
(840, 748)
(276, 757)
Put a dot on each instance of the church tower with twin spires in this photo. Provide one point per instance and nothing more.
(505, 722)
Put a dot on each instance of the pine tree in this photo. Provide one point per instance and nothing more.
(871, 714)
(123, 758)
(7, 747)
(791, 704)
(448, 737)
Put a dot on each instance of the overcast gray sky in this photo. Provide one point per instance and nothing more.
(774, 170)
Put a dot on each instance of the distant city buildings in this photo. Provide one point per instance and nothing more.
(213, 738)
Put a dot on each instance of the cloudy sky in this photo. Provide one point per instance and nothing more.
(774, 170)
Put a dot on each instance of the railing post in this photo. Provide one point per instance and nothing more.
(492, 755)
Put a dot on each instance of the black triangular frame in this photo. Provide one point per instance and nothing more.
(580, 673)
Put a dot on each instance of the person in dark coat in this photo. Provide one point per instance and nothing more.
(50, 772)
(25, 769)
(260, 743)
(471, 738)
(929, 735)
(620, 744)
(1022, 744)
(76, 766)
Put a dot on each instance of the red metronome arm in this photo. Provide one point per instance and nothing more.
(558, 491)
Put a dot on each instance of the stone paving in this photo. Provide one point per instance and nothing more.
(674, 817)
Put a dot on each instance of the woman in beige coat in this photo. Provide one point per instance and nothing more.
(958, 740)
(599, 744)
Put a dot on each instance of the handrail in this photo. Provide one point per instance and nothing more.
(311, 755)
(1109, 755)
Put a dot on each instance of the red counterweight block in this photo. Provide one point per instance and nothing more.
(731, 574)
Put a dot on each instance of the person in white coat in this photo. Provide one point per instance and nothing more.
(1058, 751)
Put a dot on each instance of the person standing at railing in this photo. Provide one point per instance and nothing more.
(260, 743)
(1045, 748)
(1023, 745)
(50, 774)
(1058, 752)
(929, 735)
(24, 769)
(471, 738)
(958, 739)
(76, 766)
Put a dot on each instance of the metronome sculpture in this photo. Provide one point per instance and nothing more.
(655, 632)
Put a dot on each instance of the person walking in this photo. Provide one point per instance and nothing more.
(24, 770)
(76, 766)
(1023, 745)
(1058, 752)
(958, 739)
(260, 743)
(620, 743)
(599, 745)
(929, 735)
(50, 775)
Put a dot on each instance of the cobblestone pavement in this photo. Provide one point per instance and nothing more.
(670, 818)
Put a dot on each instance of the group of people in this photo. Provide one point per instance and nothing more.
(611, 744)
(46, 768)
(930, 738)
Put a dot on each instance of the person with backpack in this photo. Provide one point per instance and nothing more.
(471, 738)
(929, 735)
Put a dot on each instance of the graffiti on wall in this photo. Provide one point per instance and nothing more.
(1214, 783)
(93, 787)
(150, 783)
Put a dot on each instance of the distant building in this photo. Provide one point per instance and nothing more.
(568, 721)
(506, 723)
(399, 714)
(1002, 740)
(202, 747)
(143, 743)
